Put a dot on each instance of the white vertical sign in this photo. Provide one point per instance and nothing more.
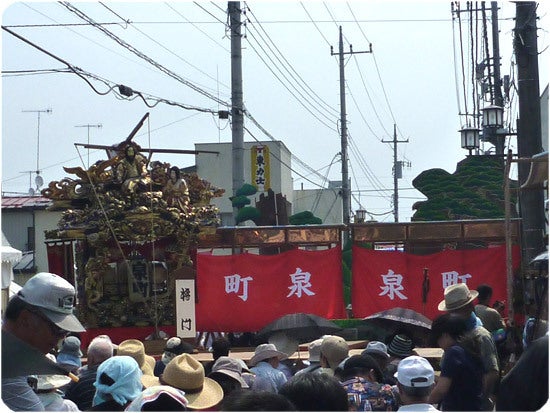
(185, 309)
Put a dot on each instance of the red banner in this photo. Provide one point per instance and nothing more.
(387, 279)
(245, 292)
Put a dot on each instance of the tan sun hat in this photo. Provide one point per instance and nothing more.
(185, 373)
(266, 351)
(457, 296)
(135, 349)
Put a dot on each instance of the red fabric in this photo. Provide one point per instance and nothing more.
(270, 293)
(119, 334)
(371, 295)
(60, 260)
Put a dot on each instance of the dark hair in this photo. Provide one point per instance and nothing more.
(360, 365)
(256, 401)
(220, 347)
(415, 392)
(485, 292)
(228, 384)
(315, 392)
(176, 170)
(457, 328)
(163, 403)
(449, 323)
(14, 308)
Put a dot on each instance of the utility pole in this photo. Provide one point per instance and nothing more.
(529, 136)
(88, 126)
(497, 81)
(38, 112)
(396, 173)
(346, 205)
(237, 124)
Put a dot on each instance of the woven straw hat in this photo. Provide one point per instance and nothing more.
(136, 350)
(457, 296)
(185, 373)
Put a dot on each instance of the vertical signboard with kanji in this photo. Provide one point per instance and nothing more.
(260, 167)
(185, 308)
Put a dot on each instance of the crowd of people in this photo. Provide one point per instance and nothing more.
(383, 377)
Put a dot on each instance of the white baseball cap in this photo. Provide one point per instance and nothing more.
(415, 371)
(54, 297)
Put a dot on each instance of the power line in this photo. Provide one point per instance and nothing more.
(138, 53)
(303, 84)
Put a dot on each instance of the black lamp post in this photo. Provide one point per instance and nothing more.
(492, 121)
(469, 138)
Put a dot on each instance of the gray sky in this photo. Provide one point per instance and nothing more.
(409, 80)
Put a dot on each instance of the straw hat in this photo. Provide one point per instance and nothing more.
(52, 381)
(136, 350)
(185, 373)
(266, 351)
(457, 296)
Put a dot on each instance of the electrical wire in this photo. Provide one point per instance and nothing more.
(138, 53)
(302, 101)
(291, 71)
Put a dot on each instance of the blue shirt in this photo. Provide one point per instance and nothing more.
(272, 378)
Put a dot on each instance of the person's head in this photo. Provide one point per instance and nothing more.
(130, 152)
(314, 349)
(447, 329)
(315, 392)
(159, 399)
(227, 372)
(41, 313)
(118, 378)
(362, 365)
(458, 299)
(415, 379)
(401, 346)
(100, 349)
(334, 349)
(256, 401)
(485, 293)
(70, 354)
(135, 349)
(174, 347)
(220, 347)
(268, 353)
(175, 173)
(185, 373)
(378, 351)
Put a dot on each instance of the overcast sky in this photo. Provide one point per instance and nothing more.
(409, 79)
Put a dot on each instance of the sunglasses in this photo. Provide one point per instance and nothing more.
(56, 331)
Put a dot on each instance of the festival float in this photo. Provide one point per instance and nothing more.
(132, 226)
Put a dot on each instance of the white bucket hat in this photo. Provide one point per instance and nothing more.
(266, 351)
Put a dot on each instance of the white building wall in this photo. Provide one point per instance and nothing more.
(324, 203)
(217, 169)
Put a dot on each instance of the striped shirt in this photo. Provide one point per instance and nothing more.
(17, 395)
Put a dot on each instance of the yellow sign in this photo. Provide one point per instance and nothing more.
(260, 167)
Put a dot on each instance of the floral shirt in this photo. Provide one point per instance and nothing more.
(366, 396)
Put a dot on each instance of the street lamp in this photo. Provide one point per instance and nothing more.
(492, 116)
(360, 216)
(492, 122)
(469, 138)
